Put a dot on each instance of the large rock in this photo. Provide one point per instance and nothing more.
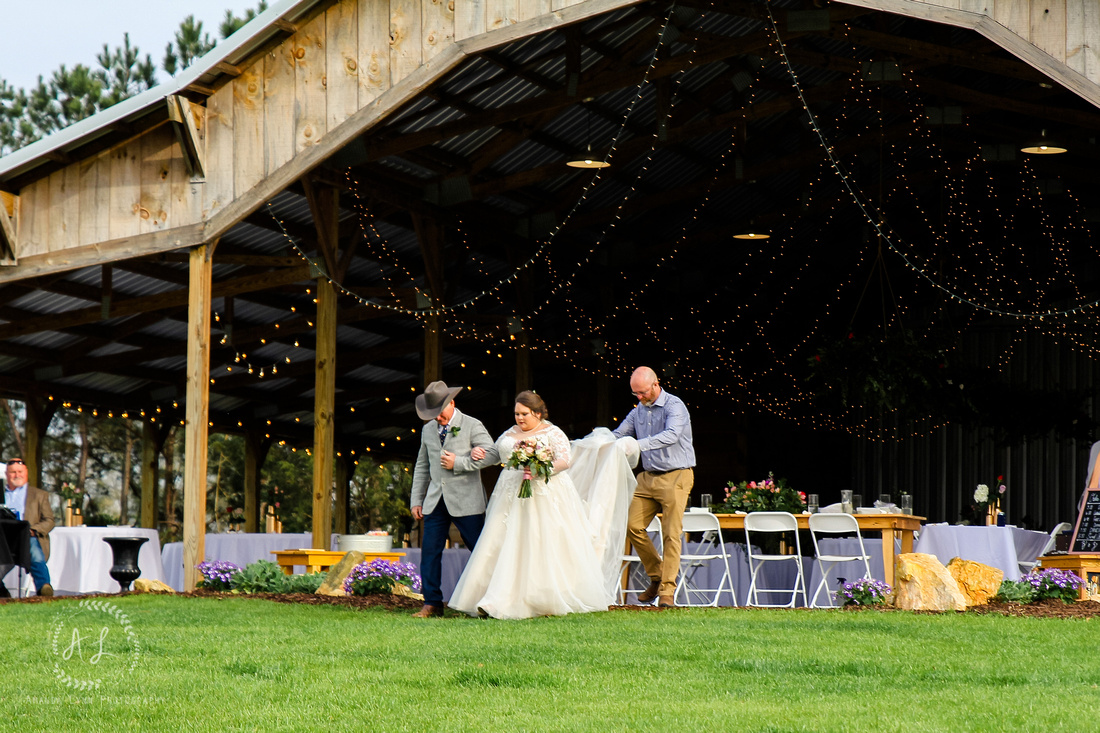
(400, 589)
(923, 584)
(977, 582)
(333, 584)
(151, 585)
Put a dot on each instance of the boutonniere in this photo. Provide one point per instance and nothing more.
(455, 429)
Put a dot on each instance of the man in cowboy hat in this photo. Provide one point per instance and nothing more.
(446, 484)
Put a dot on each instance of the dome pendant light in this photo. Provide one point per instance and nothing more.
(1043, 146)
(587, 159)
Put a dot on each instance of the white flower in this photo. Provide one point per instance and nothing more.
(981, 494)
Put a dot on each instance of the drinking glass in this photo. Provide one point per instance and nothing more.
(906, 504)
(704, 501)
(857, 500)
(883, 499)
(846, 501)
(812, 504)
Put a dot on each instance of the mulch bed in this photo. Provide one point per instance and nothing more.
(402, 604)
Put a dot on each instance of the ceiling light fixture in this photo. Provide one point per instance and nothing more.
(587, 159)
(752, 231)
(1043, 146)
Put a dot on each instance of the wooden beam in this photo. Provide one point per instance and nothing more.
(324, 413)
(161, 301)
(39, 414)
(150, 473)
(198, 411)
(324, 206)
(8, 245)
(344, 468)
(192, 146)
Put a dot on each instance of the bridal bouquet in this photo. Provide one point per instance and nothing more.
(534, 456)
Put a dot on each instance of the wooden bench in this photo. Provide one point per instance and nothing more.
(317, 560)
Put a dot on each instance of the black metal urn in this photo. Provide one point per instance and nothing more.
(125, 549)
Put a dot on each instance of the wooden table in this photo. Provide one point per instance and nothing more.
(889, 525)
(318, 560)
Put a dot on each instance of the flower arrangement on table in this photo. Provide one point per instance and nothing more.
(75, 494)
(534, 456)
(234, 515)
(769, 495)
(987, 503)
(381, 576)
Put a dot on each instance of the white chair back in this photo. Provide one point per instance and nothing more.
(636, 580)
(691, 588)
(1026, 566)
(831, 523)
(773, 522)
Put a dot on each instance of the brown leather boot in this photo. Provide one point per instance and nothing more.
(428, 611)
(666, 602)
(650, 593)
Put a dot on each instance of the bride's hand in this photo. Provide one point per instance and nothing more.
(477, 453)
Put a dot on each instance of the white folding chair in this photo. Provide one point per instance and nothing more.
(835, 524)
(773, 523)
(1026, 566)
(692, 588)
(636, 579)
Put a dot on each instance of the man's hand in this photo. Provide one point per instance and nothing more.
(477, 453)
(418, 513)
(447, 459)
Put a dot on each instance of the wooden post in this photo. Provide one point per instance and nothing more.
(39, 416)
(433, 349)
(150, 473)
(324, 398)
(344, 469)
(255, 451)
(198, 410)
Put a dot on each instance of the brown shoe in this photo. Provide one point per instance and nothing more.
(47, 590)
(650, 593)
(429, 611)
(666, 602)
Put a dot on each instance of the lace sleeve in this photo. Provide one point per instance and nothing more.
(560, 445)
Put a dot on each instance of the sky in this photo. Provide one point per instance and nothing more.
(41, 36)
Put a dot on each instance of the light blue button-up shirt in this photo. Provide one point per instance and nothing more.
(663, 432)
(16, 500)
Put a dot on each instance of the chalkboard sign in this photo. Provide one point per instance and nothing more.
(1086, 535)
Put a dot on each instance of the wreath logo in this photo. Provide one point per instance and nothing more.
(92, 643)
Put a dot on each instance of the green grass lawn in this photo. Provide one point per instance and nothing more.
(241, 664)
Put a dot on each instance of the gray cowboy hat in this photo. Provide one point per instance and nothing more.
(435, 400)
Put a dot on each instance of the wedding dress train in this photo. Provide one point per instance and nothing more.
(558, 551)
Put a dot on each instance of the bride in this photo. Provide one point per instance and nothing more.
(558, 551)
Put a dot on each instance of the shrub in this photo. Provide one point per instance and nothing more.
(308, 583)
(864, 592)
(1015, 591)
(262, 576)
(217, 574)
(1054, 583)
(379, 576)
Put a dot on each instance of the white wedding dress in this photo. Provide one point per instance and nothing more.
(558, 551)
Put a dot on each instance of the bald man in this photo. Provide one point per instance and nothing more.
(662, 427)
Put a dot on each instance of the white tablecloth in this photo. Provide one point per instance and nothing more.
(999, 547)
(239, 548)
(80, 561)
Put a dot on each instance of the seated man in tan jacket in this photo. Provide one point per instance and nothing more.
(32, 505)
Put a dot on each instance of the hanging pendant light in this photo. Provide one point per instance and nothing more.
(587, 159)
(752, 231)
(1043, 146)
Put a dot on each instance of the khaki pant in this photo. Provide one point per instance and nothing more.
(668, 494)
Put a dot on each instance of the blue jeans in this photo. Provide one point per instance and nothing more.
(39, 571)
(437, 526)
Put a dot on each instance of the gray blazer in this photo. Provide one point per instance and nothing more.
(461, 488)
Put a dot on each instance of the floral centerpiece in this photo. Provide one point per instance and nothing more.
(534, 456)
(73, 494)
(234, 515)
(381, 576)
(768, 495)
(987, 503)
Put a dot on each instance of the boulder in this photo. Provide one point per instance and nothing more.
(149, 585)
(923, 584)
(977, 582)
(400, 589)
(333, 584)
